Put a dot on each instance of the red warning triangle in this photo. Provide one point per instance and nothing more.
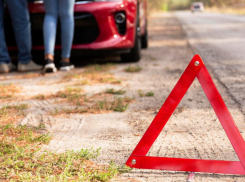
(138, 158)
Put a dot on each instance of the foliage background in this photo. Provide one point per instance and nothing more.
(166, 5)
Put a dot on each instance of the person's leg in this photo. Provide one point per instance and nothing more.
(49, 33)
(21, 24)
(66, 13)
(49, 27)
(4, 56)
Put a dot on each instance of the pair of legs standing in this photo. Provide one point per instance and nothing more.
(21, 24)
(64, 9)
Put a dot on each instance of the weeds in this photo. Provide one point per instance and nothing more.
(152, 58)
(22, 160)
(147, 94)
(70, 94)
(39, 97)
(133, 69)
(99, 68)
(89, 78)
(94, 74)
(12, 113)
(22, 135)
(115, 92)
(101, 105)
(7, 91)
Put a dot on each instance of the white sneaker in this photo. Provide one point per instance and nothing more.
(66, 66)
(49, 66)
(31, 66)
(5, 68)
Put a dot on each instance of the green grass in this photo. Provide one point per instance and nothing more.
(97, 106)
(152, 58)
(121, 104)
(12, 113)
(21, 159)
(19, 107)
(8, 109)
(147, 94)
(7, 91)
(99, 68)
(133, 69)
(115, 92)
(70, 94)
(39, 97)
(90, 77)
(23, 133)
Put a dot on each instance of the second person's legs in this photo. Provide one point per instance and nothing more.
(66, 13)
(50, 26)
(49, 33)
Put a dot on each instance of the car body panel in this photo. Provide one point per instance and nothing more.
(104, 14)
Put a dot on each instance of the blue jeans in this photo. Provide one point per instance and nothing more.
(65, 10)
(21, 24)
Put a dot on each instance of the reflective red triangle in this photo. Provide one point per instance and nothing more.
(138, 158)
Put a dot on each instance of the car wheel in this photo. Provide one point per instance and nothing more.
(144, 38)
(134, 55)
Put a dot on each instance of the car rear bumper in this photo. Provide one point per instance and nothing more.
(95, 26)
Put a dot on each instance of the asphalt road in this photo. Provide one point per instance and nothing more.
(220, 40)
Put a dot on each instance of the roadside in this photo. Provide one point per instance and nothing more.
(227, 10)
(82, 109)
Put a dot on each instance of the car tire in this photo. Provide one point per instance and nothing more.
(135, 53)
(144, 38)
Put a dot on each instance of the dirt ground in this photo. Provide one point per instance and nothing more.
(193, 131)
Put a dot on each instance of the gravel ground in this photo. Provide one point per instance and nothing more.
(193, 131)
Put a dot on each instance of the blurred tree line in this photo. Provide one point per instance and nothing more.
(185, 4)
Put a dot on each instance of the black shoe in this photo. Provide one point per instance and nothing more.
(49, 66)
(66, 66)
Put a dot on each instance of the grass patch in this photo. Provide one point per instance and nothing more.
(133, 69)
(28, 75)
(152, 58)
(147, 94)
(99, 68)
(12, 113)
(94, 74)
(39, 97)
(22, 160)
(70, 93)
(7, 91)
(97, 104)
(115, 92)
(92, 78)
(22, 135)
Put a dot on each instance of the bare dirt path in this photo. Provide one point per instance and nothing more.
(192, 132)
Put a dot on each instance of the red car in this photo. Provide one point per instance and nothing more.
(101, 26)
